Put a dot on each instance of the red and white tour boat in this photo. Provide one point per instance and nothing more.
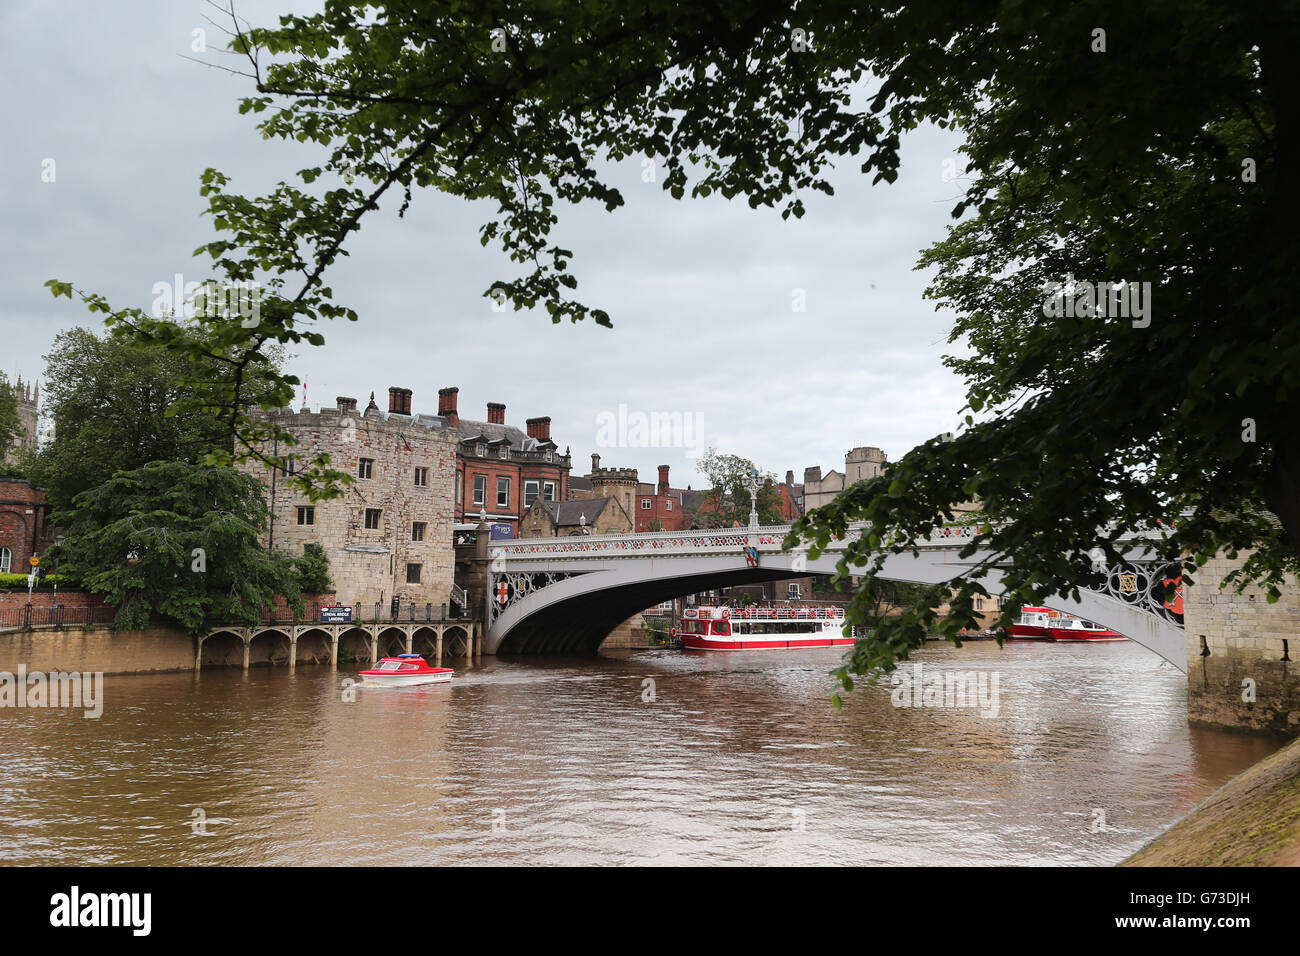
(404, 670)
(1044, 624)
(753, 629)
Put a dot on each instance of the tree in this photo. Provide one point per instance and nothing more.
(313, 569)
(178, 542)
(727, 501)
(1142, 143)
(115, 404)
(11, 426)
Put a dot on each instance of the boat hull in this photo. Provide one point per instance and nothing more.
(1064, 635)
(404, 680)
(1028, 632)
(751, 642)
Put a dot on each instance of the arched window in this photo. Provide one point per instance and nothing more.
(6, 557)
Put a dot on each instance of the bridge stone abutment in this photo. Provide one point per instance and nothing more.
(1242, 653)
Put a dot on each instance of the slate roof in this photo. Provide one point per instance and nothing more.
(568, 514)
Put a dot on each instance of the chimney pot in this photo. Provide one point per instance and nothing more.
(496, 413)
(595, 463)
(447, 405)
(539, 428)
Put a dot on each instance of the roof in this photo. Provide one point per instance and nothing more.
(568, 514)
(491, 432)
(579, 483)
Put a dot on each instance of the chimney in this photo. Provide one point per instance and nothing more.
(812, 475)
(394, 400)
(447, 405)
(789, 478)
(539, 428)
(595, 463)
(346, 404)
(663, 479)
(496, 413)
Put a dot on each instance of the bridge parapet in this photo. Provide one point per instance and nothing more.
(766, 538)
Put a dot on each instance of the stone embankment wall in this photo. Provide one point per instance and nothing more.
(97, 649)
(1253, 820)
(1249, 680)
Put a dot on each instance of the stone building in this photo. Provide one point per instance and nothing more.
(29, 396)
(389, 537)
(552, 519)
(859, 464)
(620, 483)
(500, 470)
(23, 531)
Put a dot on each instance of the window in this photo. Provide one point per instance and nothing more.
(668, 505)
(306, 514)
(793, 592)
(480, 489)
(505, 452)
(6, 559)
(413, 574)
(372, 517)
(417, 531)
(548, 490)
(364, 467)
(645, 504)
(503, 492)
(421, 477)
(530, 492)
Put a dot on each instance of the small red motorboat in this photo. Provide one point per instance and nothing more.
(404, 670)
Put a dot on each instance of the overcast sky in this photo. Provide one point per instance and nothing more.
(700, 291)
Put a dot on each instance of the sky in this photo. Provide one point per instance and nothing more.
(702, 293)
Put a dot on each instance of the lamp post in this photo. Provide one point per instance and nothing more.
(58, 546)
(751, 483)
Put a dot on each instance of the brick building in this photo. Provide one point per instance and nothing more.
(390, 535)
(23, 531)
(500, 470)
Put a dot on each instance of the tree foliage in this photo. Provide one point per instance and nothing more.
(177, 542)
(313, 569)
(727, 500)
(117, 405)
(11, 426)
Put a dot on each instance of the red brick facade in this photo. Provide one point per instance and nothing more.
(22, 524)
(500, 470)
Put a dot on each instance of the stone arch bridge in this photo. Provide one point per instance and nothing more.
(564, 595)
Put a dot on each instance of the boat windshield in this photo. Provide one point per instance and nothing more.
(388, 666)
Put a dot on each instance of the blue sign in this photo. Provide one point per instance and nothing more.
(501, 531)
(336, 615)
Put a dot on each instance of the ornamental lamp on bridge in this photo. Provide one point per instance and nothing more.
(751, 483)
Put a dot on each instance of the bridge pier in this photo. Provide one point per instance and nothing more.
(247, 642)
(293, 650)
(334, 646)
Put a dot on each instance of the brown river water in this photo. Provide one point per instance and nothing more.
(734, 758)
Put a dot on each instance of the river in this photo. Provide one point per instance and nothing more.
(719, 758)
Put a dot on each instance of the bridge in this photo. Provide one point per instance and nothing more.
(565, 595)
